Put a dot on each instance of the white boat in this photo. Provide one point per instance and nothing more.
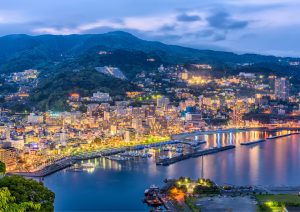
(178, 154)
(163, 157)
(180, 145)
(166, 149)
(154, 187)
(179, 150)
(146, 155)
(87, 165)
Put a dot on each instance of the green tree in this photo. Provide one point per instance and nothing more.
(7, 203)
(2, 167)
(28, 190)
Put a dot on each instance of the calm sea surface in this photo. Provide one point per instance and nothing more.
(120, 185)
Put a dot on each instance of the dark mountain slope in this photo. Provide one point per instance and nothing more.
(53, 48)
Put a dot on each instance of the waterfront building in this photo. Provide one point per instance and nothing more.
(17, 143)
(113, 129)
(130, 135)
(9, 157)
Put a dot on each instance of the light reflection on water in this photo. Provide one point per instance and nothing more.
(120, 185)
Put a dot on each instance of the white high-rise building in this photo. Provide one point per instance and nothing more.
(35, 119)
(162, 102)
(282, 88)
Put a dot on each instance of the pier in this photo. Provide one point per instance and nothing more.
(168, 161)
(193, 143)
(253, 142)
(285, 135)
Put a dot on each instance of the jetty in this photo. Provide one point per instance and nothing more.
(253, 142)
(285, 135)
(193, 143)
(168, 161)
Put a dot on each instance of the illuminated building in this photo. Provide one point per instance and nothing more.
(202, 66)
(106, 115)
(161, 68)
(74, 97)
(113, 129)
(185, 75)
(162, 102)
(130, 135)
(282, 88)
(9, 157)
(35, 119)
(101, 97)
(137, 123)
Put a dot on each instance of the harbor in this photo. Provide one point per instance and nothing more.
(240, 166)
(167, 152)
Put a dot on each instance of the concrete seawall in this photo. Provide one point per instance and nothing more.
(253, 142)
(285, 135)
(168, 161)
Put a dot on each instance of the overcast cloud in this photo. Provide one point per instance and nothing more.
(266, 27)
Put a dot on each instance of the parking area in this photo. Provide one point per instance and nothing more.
(224, 203)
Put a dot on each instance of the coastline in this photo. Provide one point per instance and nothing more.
(68, 161)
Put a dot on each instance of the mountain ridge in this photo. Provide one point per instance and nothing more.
(57, 47)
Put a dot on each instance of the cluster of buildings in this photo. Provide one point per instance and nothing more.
(223, 99)
(24, 76)
(39, 138)
(19, 84)
(170, 100)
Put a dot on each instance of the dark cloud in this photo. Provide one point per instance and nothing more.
(168, 27)
(188, 18)
(222, 20)
(219, 37)
(205, 33)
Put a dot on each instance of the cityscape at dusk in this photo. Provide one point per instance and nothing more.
(149, 105)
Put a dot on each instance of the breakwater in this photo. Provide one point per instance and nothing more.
(168, 161)
(285, 135)
(253, 142)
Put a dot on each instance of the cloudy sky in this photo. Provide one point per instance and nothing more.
(255, 26)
